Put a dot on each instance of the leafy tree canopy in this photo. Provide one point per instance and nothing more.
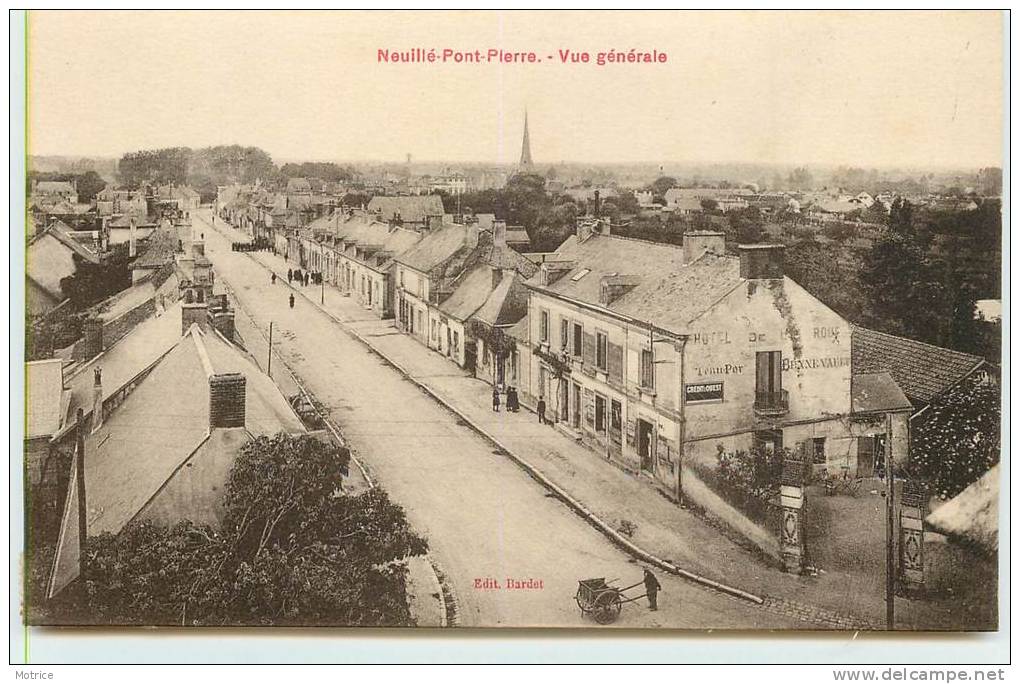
(293, 550)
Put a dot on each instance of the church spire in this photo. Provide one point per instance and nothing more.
(526, 163)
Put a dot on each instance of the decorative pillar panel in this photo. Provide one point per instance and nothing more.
(791, 528)
(913, 507)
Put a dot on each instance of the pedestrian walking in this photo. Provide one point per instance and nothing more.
(306, 278)
(273, 278)
(541, 409)
(292, 300)
(495, 399)
(512, 403)
(290, 275)
(652, 588)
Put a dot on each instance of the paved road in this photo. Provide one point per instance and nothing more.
(483, 516)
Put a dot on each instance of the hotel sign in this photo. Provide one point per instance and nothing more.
(703, 392)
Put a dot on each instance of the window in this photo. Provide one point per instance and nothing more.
(600, 413)
(580, 274)
(818, 455)
(601, 350)
(564, 333)
(578, 332)
(543, 326)
(768, 372)
(647, 369)
(456, 340)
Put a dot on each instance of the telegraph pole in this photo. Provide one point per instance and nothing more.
(79, 474)
(269, 362)
(890, 579)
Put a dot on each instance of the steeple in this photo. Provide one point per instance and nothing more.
(526, 163)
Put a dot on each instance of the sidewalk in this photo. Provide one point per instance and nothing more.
(833, 599)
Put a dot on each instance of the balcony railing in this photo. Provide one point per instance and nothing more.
(775, 403)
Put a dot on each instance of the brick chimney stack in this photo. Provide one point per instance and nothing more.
(93, 336)
(697, 242)
(761, 262)
(194, 313)
(227, 400)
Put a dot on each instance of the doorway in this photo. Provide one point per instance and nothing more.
(871, 456)
(616, 427)
(576, 422)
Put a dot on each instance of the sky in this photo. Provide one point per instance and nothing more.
(869, 89)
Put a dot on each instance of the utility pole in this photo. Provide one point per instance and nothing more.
(681, 406)
(269, 362)
(890, 579)
(79, 474)
(322, 281)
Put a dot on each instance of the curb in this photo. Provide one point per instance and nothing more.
(572, 503)
(448, 605)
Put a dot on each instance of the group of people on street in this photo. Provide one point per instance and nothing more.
(513, 404)
(302, 278)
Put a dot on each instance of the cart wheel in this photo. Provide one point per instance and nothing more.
(607, 607)
(582, 603)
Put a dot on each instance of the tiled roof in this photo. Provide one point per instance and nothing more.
(668, 293)
(412, 208)
(160, 248)
(923, 371)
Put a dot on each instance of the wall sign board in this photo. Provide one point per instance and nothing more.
(703, 392)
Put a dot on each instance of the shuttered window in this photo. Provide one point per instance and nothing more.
(543, 326)
(768, 372)
(601, 350)
(615, 363)
(578, 331)
(647, 369)
(564, 333)
(588, 348)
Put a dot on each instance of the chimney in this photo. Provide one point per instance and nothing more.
(697, 242)
(226, 400)
(596, 212)
(761, 262)
(93, 332)
(586, 227)
(499, 234)
(223, 321)
(194, 313)
(132, 238)
(612, 287)
(97, 399)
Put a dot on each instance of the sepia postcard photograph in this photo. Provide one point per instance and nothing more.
(600, 321)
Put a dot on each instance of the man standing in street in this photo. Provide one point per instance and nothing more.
(495, 399)
(290, 275)
(292, 300)
(541, 409)
(652, 587)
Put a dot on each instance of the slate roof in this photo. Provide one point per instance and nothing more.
(162, 424)
(876, 393)
(439, 246)
(518, 236)
(45, 397)
(668, 293)
(923, 371)
(506, 304)
(469, 293)
(47, 261)
(520, 331)
(412, 208)
(973, 514)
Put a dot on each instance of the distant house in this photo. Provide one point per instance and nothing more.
(418, 211)
(50, 257)
(298, 186)
(55, 190)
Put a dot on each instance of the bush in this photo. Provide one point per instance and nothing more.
(747, 480)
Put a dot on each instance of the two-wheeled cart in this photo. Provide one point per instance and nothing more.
(601, 600)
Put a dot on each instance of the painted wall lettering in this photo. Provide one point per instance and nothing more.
(827, 333)
(826, 362)
(716, 337)
(727, 369)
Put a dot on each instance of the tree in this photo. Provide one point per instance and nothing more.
(293, 550)
(957, 439)
(709, 204)
(92, 283)
(660, 185)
